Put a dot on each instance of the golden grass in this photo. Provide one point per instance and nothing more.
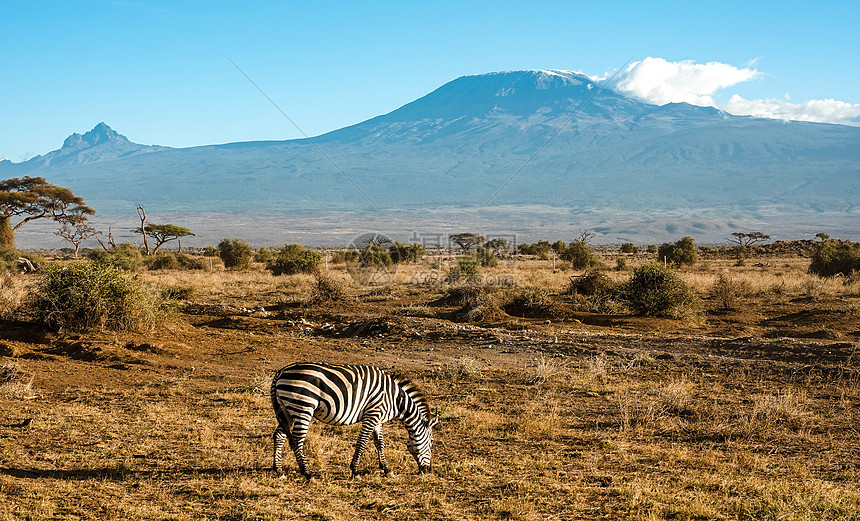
(557, 423)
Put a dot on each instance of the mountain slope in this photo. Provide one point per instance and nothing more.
(457, 146)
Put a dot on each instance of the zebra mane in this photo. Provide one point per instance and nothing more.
(414, 393)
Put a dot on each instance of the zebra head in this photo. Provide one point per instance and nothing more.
(421, 441)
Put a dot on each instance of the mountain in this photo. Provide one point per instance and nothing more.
(100, 144)
(511, 141)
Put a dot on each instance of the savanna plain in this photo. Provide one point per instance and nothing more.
(553, 403)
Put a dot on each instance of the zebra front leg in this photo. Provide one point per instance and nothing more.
(367, 429)
(379, 441)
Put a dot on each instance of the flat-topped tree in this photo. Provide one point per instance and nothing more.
(467, 240)
(163, 233)
(32, 198)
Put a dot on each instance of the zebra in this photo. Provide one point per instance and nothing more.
(344, 395)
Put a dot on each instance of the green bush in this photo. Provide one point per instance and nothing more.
(8, 259)
(580, 255)
(264, 255)
(678, 253)
(629, 247)
(406, 252)
(374, 255)
(89, 296)
(834, 258)
(655, 290)
(126, 256)
(235, 253)
(190, 262)
(292, 259)
(468, 265)
(161, 261)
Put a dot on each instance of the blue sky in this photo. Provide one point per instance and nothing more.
(157, 71)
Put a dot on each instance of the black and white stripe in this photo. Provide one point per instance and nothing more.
(344, 395)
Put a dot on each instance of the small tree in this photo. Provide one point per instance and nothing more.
(76, 233)
(679, 253)
(235, 254)
(162, 233)
(497, 245)
(835, 258)
(32, 198)
(629, 247)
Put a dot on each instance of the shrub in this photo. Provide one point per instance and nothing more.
(621, 264)
(161, 261)
(190, 262)
(476, 303)
(581, 256)
(533, 303)
(725, 291)
(540, 248)
(88, 296)
(406, 252)
(678, 253)
(126, 256)
(292, 259)
(8, 259)
(374, 255)
(14, 382)
(629, 247)
(834, 258)
(591, 283)
(327, 289)
(264, 255)
(235, 254)
(656, 290)
(177, 292)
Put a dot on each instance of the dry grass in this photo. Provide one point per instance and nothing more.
(549, 421)
(15, 383)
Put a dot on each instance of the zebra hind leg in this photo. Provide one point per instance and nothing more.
(279, 437)
(379, 441)
(297, 443)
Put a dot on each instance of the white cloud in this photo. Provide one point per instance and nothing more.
(658, 81)
(820, 110)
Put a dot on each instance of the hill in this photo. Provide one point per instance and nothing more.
(454, 148)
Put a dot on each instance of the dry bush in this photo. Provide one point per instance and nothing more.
(13, 293)
(477, 303)
(726, 291)
(770, 413)
(543, 370)
(327, 288)
(533, 303)
(461, 368)
(15, 383)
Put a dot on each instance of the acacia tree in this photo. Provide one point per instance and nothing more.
(745, 239)
(32, 198)
(163, 233)
(76, 233)
(467, 240)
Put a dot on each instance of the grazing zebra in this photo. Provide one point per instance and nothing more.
(344, 395)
